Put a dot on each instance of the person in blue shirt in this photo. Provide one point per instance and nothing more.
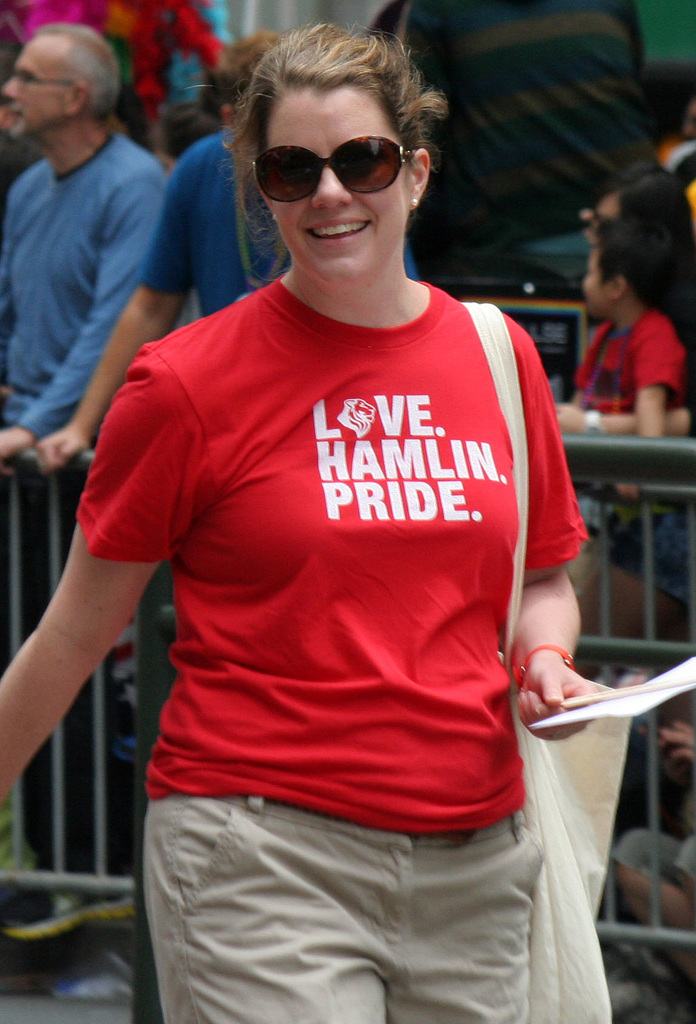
(198, 245)
(76, 228)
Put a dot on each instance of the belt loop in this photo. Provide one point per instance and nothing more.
(517, 823)
(256, 804)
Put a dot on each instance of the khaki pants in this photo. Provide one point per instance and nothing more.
(262, 913)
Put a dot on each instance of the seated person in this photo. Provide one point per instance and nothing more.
(635, 362)
(676, 852)
(634, 365)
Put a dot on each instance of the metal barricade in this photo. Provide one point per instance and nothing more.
(46, 496)
(665, 470)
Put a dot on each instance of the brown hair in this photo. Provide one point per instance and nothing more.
(326, 57)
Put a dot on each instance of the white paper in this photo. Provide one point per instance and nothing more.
(680, 679)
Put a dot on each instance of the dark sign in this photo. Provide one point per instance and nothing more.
(559, 328)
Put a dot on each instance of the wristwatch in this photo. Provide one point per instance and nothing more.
(593, 422)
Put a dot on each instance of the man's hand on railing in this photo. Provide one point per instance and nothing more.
(13, 441)
(56, 450)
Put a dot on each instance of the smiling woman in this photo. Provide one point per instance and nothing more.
(346, 242)
(334, 831)
(341, 158)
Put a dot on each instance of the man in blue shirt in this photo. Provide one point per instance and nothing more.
(76, 228)
(198, 245)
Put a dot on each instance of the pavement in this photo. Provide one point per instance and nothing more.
(91, 968)
(33, 1009)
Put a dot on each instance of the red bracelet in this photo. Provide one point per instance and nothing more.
(519, 673)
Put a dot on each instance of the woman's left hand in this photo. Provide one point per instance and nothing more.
(546, 684)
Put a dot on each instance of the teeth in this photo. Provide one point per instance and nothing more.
(338, 229)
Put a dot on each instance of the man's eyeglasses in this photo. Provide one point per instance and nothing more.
(367, 164)
(29, 78)
(591, 224)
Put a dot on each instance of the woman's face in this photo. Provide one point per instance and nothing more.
(336, 236)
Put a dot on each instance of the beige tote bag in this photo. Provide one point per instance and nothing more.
(572, 785)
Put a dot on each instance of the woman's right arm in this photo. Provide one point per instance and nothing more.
(94, 601)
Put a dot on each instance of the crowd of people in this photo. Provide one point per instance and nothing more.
(309, 434)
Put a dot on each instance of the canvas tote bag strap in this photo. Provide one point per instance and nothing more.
(571, 785)
(497, 345)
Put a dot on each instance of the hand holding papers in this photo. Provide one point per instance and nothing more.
(626, 702)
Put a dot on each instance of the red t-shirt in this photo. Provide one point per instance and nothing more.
(649, 353)
(338, 507)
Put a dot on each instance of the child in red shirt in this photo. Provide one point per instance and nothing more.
(635, 362)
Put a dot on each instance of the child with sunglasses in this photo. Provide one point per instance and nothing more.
(335, 831)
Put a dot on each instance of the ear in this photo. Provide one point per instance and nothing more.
(226, 112)
(419, 165)
(77, 99)
(617, 287)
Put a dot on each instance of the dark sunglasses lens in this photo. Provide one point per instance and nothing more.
(288, 173)
(367, 165)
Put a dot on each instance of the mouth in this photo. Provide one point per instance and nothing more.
(338, 230)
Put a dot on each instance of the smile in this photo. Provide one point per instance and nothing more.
(330, 230)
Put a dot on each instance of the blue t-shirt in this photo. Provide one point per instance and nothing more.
(198, 242)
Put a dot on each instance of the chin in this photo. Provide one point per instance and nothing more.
(340, 270)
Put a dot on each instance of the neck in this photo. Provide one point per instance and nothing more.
(69, 149)
(628, 313)
(367, 304)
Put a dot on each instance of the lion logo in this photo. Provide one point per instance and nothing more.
(357, 414)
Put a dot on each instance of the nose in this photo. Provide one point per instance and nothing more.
(9, 88)
(330, 191)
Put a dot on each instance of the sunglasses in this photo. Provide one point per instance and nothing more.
(367, 164)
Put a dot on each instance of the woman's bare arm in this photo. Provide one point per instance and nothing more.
(93, 603)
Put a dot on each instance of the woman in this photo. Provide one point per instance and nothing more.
(334, 832)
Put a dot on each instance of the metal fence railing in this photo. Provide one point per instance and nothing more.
(72, 776)
(665, 470)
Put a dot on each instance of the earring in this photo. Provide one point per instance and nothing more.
(414, 203)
